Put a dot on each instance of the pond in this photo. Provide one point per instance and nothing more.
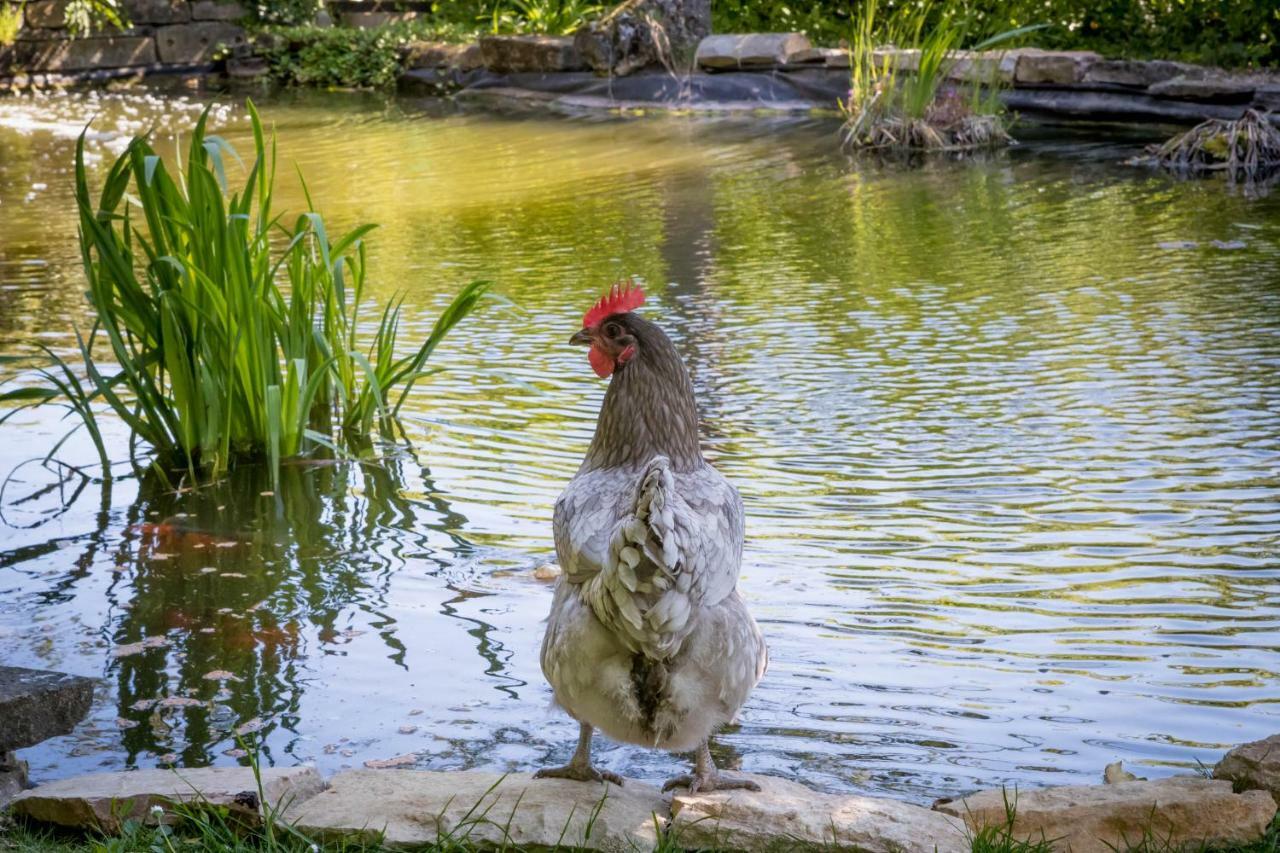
(1007, 430)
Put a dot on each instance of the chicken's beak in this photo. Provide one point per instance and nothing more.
(581, 338)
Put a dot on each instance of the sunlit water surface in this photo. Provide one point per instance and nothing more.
(1008, 433)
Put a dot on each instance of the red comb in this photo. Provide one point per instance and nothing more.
(621, 298)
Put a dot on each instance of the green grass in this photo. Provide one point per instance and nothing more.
(223, 332)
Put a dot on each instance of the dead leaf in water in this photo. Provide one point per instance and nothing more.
(235, 752)
(408, 730)
(221, 675)
(142, 645)
(406, 760)
(546, 572)
(143, 704)
(179, 702)
(232, 575)
(249, 727)
(123, 723)
(168, 758)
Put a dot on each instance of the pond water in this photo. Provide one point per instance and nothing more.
(1008, 433)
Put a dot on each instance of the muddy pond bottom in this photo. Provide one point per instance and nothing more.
(1007, 430)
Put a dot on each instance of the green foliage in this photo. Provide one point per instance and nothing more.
(1217, 32)
(218, 362)
(336, 57)
(84, 16)
(289, 13)
(348, 57)
(10, 22)
(554, 17)
(1000, 838)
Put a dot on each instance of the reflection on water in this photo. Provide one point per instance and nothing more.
(1008, 433)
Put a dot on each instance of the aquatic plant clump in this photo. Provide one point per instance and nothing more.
(902, 97)
(1245, 148)
(231, 336)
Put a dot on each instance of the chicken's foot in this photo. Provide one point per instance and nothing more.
(705, 777)
(579, 767)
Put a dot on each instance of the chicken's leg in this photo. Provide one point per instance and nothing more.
(706, 777)
(579, 767)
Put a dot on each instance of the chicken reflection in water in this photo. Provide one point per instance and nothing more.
(217, 601)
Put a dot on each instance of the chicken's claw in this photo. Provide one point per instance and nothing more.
(706, 783)
(579, 773)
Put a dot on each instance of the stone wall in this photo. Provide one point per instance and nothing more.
(162, 34)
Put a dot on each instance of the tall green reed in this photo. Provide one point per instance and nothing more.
(237, 336)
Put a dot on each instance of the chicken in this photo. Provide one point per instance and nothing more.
(648, 640)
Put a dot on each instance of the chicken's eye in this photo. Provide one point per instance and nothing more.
(612, 330)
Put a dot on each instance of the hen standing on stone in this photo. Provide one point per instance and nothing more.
(648, 639)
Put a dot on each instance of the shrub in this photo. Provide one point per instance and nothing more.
(10, 22)
(218, 362)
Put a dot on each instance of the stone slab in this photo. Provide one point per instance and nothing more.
(790, 813)
(101, 801)
(1253, 766)
(514, 54)
(1216, 89)
(13, 777)
(409, 808)
(157, 11)
(1056, 68)
(216, 10)
(1137, 74)
(434, 54)
(190, 44)
(46, 13)
(36, 705)
(754, 50)
(1182, 810)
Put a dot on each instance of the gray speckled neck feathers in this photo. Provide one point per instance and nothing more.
(649, 408)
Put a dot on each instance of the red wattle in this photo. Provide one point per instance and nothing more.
(600, 362)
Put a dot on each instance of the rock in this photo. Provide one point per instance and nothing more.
(157, 11)
(470, 59)
(194, 44)
(1182, 810)
(13, 777)
(1253, 766)
(787, 811)
(1115, 773)
(642, 34)
(1136, 73)
(410, 808)
(102, 801)
(217, 10)
(829, 56)
(46, 13)
(247, 67)
(37, 704)
(1059, 68)
(511, 54)
(1217, 89)
(433, 54)
(1267, 97)
(757, 50)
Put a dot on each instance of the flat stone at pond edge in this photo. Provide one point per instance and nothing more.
(1183, 810)
(157, 11)
(512, 54)
(756, 50)
(1136, 73)
(1057, 68)
(1216, 89)
(103, 800)
(83, 54)
(36, 705)
(1253, 766)
(789, 813)
(411, 808)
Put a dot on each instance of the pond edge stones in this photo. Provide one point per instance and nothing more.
(407, 808)
(1177, 811)
(102, 801)
(1253, 766)
(35, 705)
